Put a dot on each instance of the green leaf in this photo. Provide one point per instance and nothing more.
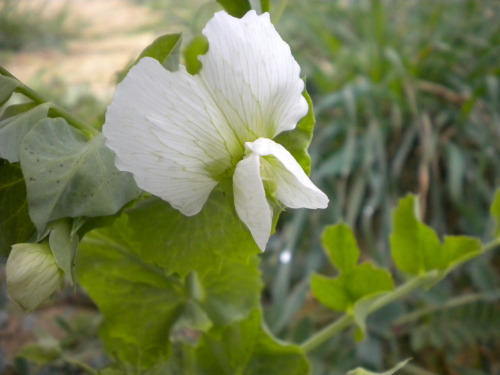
(343, 292)
(362, 371)
(198, 46)
(15, 223)
(14, 128)
(165, 49)
(236, 8)
(248, 349)
(139, 301)
(495, 213)
(7, 87)
(341, 247)
(203, 242)
(415, 247)
(68, 176)
(297, 141)
(127, 269)
(63, 243)
(42, 353)
(457, 250)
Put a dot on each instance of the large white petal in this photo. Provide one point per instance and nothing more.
(162, 127)
(293, 188)
(250, 199)
(252, 76)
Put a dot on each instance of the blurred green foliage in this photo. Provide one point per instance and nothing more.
(407, 99)
(24, 25)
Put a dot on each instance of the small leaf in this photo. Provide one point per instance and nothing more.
(297, 141)
(362, 371)
(15, 223)
(341, 246)
(68, 176)
(415, 247)
(458, 249)
(495, 213)
(165, 49)
(198, 46)
(7, 87)
(43, 353)
(14, 128)
(343, 292)
(63, 244)
(236, 8)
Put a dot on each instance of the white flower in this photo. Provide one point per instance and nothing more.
(32, 274)
(179, 134)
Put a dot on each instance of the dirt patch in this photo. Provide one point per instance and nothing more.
(113, 33)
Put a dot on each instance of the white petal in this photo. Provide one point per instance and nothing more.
(252, 76)
(293, 187)
(162, 127)
(250, 200)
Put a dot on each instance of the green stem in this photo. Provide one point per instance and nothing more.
(56, 110)
(81, 365)
(346, 320)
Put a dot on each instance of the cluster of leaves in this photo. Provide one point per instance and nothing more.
(403, 103)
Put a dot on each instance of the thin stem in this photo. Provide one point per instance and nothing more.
(329, 331)
(346, 320)
(56, 110)
(81, 365)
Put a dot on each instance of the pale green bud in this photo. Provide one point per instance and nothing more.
(32, 274)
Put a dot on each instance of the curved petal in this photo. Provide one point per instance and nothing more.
(250, 200)
(161, 125)
(252, 76)
(293, 188)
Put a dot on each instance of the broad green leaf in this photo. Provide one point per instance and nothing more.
(297, 141)
(15, 223)
(362, 371)
(14, 128)
(196, 47)
(236, 8)
(152, 243)
(165, 49)
(248, 349)
(350, 287)
(7, 87)
(415, 247)
(63, 243)
(68, 176)
(495, 213)
(139, 301)
(341, 247)
(203, 242)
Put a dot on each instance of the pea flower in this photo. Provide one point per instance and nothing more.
(181, 134)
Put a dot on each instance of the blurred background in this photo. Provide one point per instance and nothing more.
(407, 99)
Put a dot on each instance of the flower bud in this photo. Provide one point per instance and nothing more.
(32, 274)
